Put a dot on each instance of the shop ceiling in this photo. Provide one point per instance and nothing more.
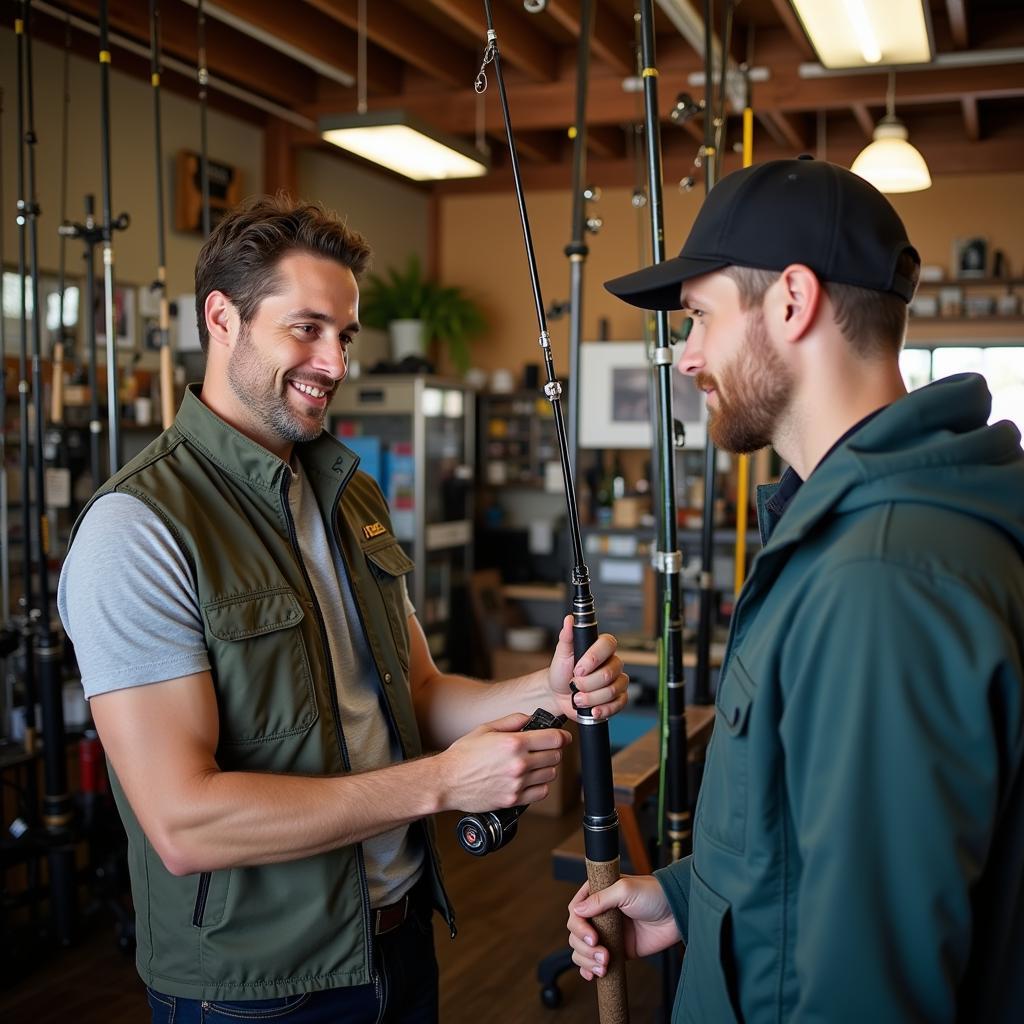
(286, 64)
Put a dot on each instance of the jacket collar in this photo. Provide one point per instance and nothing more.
(327, 462)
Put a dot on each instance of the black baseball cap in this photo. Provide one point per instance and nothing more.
(781, 212)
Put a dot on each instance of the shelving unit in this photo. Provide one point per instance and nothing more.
(517, 439)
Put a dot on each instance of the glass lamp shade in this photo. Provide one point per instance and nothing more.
(890, 162)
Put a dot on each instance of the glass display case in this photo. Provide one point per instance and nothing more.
(415, 436)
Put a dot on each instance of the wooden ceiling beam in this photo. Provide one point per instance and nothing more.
(606, 141)
(407, 37)
(520, 45)
(551, 105)
(310, 32)
(864, 119)
(957, 12)
(541, 148)
(791, 129)
(229, 55)
(972, 122)
(610, 42)
(791, 23)
(944, 155)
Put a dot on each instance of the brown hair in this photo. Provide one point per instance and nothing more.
(874, 323)
(241, 255)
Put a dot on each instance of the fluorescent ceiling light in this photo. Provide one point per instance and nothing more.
(890, 162)
(399, 142)
(859, 33)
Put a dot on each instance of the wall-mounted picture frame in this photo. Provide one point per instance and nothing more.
(970, 257)
(615, 407)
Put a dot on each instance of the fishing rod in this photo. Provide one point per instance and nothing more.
(24, 619)
(668, 559)
(91, 234)
(5, 556)
(57, 347)
(57, 806)
(600, 819)
(113, 395)
(577, 249)
(203, 77)
(713, 128)
(160, 284)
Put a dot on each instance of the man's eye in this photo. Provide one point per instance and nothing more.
(307, 329)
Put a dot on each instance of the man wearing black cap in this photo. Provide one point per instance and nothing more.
(859, 839)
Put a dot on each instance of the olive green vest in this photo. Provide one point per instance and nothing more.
(276, 929)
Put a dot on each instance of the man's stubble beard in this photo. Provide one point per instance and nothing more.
(759, 387)
(251, 381)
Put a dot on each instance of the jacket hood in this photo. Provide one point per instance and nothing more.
(934, 448)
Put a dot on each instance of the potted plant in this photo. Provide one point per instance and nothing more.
(416, 310)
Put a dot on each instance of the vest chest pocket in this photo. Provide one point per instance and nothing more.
(260, 666)
(723, 795)
(389, 564)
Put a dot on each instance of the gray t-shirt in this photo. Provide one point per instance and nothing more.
(127, 601)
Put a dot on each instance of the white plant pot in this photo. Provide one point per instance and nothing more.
(407, 339)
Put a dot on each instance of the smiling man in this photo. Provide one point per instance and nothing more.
(260, 682)
(859, 838)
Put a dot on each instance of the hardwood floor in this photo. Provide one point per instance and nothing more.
(510, 913)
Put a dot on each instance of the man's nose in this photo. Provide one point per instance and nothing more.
(691, 361)
(331, 359)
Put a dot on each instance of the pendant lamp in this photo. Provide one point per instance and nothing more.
(890, 162)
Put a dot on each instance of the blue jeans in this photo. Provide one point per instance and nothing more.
(406, 992)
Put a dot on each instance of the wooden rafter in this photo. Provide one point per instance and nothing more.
(308, 31)
(792, 130)
(796, 31)
(611, 42)
(229, 54)
(972, 123)
(864, 118)
(606, 141)
(957, 11)
(406, 36)
(520, 45)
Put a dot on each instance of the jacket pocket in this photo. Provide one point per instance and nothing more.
(705, 995)
(389, 564)
(722, 815)
(260, 667)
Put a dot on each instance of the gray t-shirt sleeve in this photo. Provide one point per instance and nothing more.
(127, 599)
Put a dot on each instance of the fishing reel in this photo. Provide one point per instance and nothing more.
(487, 831)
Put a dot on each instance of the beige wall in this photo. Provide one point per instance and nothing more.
(481, 249)
(132, 173)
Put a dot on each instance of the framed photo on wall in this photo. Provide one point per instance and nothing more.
(124, 316)
(970, 257)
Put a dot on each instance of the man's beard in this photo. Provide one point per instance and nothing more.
(251, 380)
(759, 387)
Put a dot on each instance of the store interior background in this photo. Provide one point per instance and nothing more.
(470, 236)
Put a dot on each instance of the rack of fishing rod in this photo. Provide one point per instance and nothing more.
(50, 825)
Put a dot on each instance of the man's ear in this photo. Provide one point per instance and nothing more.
(797, 299)
(221, 316)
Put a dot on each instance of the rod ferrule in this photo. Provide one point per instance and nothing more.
(667, 562)
(662, 356)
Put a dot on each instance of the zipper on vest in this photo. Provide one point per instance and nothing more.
(386, 704)
(201, 895)
(332, 688)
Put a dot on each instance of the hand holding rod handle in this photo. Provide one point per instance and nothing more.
(600, 820)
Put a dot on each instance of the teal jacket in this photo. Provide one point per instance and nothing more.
(859, 837)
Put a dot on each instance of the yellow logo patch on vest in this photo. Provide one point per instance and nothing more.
(373, 530)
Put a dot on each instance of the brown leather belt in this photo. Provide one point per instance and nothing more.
(387, 919)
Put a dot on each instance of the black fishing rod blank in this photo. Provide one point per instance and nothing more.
(600, 818)
(91, 234)
(705, 622)
(57, 805)
(24, 618)
(113, 377)
(203, 77)
(668, 559)
(160, 285)
(577, 249)
(5, 547)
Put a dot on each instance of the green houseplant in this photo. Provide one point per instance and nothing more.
(447, 313)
